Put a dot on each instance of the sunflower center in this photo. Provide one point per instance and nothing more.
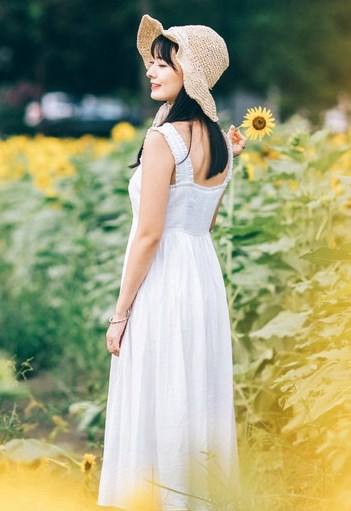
(259, 123)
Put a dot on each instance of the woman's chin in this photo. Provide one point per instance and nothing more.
(157, 96)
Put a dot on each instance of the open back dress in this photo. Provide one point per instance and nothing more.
(170, 417)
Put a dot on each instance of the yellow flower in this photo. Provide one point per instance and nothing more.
(336, 185)
(88, 463)
(259, 123)
(273, 155)
(250, 171)
(293, 185)
(60, 422)
(122, 132)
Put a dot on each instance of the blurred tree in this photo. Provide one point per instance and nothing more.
(89, 46)
(68, 44)
(301, 47)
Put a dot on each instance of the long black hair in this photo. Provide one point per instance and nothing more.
(185, 108)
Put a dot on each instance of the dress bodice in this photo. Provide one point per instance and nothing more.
(190, 206)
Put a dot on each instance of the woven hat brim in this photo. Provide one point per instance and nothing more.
(149, 29)
(195, 85)
(194, 81)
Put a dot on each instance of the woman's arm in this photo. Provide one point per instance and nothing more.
(158, 165)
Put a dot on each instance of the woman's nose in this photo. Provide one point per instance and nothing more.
(150, 72)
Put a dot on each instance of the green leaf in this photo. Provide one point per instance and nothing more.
(285, 324)
(284, 244)
(319, 136)
(327, 160)
(326, 255)
(9, 386)
(27, 451)
(287, 167)
(87, 411)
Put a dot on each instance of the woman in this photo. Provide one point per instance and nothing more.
(170, 417)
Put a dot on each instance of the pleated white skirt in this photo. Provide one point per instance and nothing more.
(170, 417)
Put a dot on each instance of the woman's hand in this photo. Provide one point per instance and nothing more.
(238, 140)
(114, 336)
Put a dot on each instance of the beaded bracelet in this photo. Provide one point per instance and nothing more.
(113, 320)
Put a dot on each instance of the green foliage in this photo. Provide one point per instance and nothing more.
(91, 418)
(283, 240)
(10, 388)
(30, 450)
(62, 262)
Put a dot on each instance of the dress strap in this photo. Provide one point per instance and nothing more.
(184, 169)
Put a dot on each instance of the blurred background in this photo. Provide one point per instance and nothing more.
(71, 66)
(74, 108)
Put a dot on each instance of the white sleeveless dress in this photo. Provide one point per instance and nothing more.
(170, 402)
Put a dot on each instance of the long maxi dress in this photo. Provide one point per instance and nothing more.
(170, 401)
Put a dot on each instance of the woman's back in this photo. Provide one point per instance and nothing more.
(192, 200)
(197, 138)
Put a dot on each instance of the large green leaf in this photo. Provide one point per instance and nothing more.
(285, 324)
(326, 255)
(28, 450)
(328, 160)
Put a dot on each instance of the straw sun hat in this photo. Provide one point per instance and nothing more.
(202, 55)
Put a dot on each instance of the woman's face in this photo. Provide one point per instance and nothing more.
(165, 81)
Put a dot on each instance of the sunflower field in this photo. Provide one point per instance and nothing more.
(284, 245)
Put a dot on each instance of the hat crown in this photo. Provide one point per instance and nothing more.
(202, 55)
(205, 49)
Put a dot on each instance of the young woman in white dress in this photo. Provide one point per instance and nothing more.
(170, 417)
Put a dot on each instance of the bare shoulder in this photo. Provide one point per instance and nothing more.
(156, 151)
(154, 138)
(156, 142)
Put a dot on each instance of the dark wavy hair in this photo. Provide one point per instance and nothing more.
(187, 109)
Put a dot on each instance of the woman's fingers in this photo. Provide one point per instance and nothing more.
(114, 337)
(113, 348)
(238, 137)
(238, 140)
(235, 136)
(116, 353)
(232, 133)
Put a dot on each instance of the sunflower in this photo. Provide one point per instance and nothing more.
(122, 132)
(259, 122)
(87, 464)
